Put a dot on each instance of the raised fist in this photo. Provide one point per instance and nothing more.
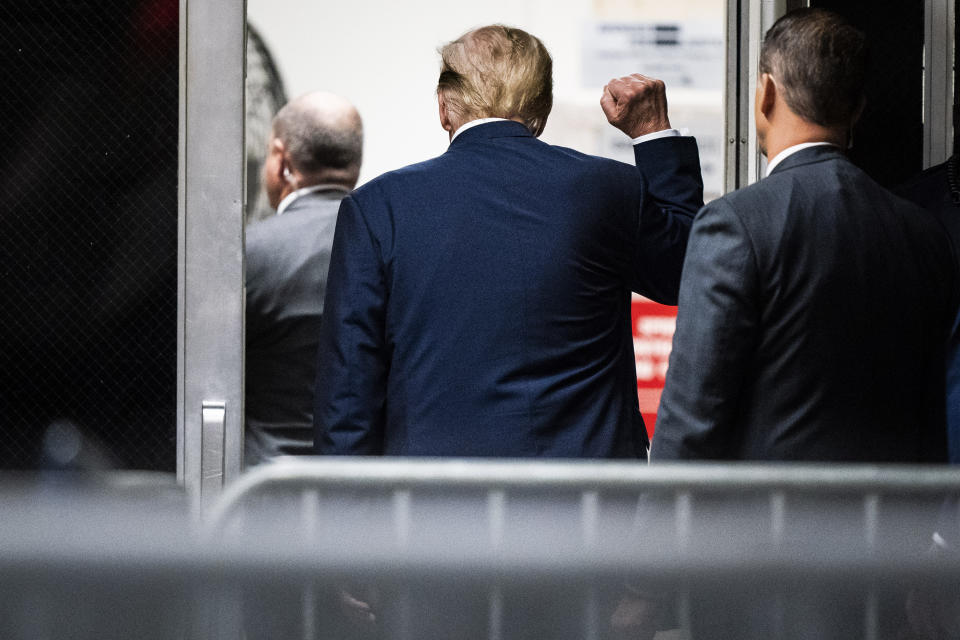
(636, 104)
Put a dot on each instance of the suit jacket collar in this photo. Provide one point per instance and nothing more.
(498, 129)
(308, 198)
(809, 156)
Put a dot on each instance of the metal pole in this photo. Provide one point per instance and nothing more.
(734, 167)
(937, 81)
(211, 304)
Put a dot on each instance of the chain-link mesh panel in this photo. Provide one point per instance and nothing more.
(88, 199)
(265, 95)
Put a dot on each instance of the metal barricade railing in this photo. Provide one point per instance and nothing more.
(855, 534)
(488, 549)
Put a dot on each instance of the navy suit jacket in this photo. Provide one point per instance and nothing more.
(814, 312)
(478, 304)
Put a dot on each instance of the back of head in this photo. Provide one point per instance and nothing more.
(819, 62)
(498, 72)
(323, 135)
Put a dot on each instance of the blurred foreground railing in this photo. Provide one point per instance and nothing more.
(500, 550)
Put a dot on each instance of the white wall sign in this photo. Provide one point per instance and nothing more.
(684, 54)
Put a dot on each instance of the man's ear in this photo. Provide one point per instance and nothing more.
(280, 167)
(444, 113)
(767, 100)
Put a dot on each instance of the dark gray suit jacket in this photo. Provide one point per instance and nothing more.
(814, 312)
(286, 276)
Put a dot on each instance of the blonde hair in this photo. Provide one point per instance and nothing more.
(497, 72)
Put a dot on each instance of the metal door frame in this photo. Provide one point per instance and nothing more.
(210, 331)
(938, 84)
(747, 22)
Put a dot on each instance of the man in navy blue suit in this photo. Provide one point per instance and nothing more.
(478, 303)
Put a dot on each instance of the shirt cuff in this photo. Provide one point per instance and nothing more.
(666, 133)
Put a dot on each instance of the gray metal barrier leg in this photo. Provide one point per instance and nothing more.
(871, 516)
(496, 613)
(218, 614)
(309, 516)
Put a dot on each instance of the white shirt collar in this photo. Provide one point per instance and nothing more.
(286, 202)
(474, 123)
(789, 151)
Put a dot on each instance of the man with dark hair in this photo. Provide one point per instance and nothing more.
(313, 161)
(479, 303)
(792, 338)
(814, 308)
(823, 87)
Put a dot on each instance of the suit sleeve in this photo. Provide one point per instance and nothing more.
(353, 363)
(670, 169)
(715, 339)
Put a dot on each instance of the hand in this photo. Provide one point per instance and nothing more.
(356, 611)
(635, 618)
(636, 104)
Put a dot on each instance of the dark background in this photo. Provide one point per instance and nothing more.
(88, 233)
(888, 140)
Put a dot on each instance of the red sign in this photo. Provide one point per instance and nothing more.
(653, 327)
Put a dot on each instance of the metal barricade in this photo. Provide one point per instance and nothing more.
(395, 549)
(775, 549)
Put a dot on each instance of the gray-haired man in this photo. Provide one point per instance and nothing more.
(313, 161)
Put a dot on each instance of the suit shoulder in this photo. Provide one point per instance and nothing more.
(739, 203)
(774, 196)
(616, 177)
(294, 221)
(389, 179)
(588, 160)
(408, 179)
(282, 237)
(733, 212)
(915, 212)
